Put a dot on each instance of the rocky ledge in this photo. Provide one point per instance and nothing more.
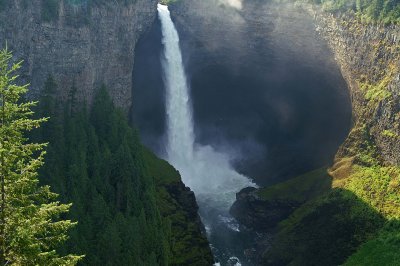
(262, 209)
(259, 214)
(178, 204)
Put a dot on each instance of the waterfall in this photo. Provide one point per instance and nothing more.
(207, 172)
(179, 113)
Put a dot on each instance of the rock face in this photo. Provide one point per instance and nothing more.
(186, 200)
(263, 208)
(258, 214)
(81, 44)
(369, 58)
(188, 232)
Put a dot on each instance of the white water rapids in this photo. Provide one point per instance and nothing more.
(207, 172)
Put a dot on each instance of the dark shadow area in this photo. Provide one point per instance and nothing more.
(277, 128)
(325, 231)
(148, 106)
(380, 250)
(265, 88)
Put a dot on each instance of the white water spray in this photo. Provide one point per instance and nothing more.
(207, 172)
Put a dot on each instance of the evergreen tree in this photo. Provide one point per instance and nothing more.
(30, 224)
(101, 168)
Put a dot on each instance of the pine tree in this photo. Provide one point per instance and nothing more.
(30, 224)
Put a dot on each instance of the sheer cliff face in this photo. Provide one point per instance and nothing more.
(81, 45)
(369, 57)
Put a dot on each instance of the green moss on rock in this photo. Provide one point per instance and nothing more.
(189, 245)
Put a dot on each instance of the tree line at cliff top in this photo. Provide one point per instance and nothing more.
(384, 11)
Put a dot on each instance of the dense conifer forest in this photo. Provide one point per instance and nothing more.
(118, 188)
(94, 160)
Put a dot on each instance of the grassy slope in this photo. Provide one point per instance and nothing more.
(379, 187)
(381, 250)
(301, 188)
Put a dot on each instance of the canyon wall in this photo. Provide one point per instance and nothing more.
(369, 58)
(84, 44)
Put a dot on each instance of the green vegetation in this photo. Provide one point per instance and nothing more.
(324, 231)
(132, 207)
(127, 215)
(379, 186)
(385, 11)
(31, 223)
(95, 160)
(370, 181)
(189, 245)
(390, 134)
(378, 92)
(382, 250)
(352, 222)
(301, 188)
